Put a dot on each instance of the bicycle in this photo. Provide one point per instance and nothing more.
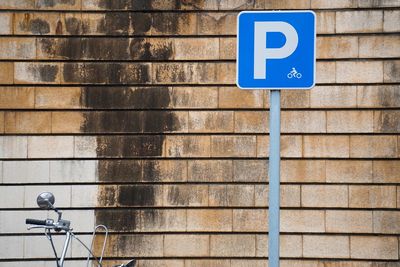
(294, 74)
(46, 201)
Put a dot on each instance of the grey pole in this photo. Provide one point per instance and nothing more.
(274, 177)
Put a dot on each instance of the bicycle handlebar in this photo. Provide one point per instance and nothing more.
(36, 222)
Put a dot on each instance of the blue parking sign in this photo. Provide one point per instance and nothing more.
(276, 50)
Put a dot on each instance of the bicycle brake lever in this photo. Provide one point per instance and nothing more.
(40, 227)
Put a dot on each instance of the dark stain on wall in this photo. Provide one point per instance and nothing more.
(127, 97)
(52, 3)
(73, 26)
(45, 72)
(107, 73)
(115, 23)
(37, 26)
(120, 171)
(119, 220)
(138, 195)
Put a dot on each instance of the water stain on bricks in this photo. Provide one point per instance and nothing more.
(126, 97)
(115, 23)
(136, 195)
(44, 73)
(106, 73)
(119, 220)
(120, 171)
(145, 49)
(52, 3)
(36, 26)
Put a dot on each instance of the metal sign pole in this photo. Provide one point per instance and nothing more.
(274, 177)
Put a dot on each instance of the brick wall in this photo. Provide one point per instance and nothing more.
(127, 111)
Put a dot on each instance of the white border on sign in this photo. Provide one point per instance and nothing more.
(278, 11)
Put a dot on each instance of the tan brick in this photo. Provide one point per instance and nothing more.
(231, 195)
(233, 97)
(398, 197)
(185, 195)
(348, 221)
(196, 49)
(361, 21)
(362, 72)
(372, 196)
(18, 4)
(291, 146)
(194, 97)
(186, 245)
(233, 146)
(287, 4)
(326, 72)
(326, 22)
(187, 146)
(250, 170)
(350, 121)
(38, 73)
(387, 121)
(305, 171)
(302, 221)
(379, 46)
(209, 220)
(67, 122)
(324, 196)
(47, 23)
(205, 263)
(390, 21)
(13, 147)
(386, 222)
(303, 122)
(185, 23)
(16, 97)
(210, 170)
(385, 171)
(378, 96)
(58, 5)
(232, 245)
(227, 48)
(239, 4)
(290, 195)
(333, 97)
(333, 4)
(1, 126)
(165, 170)
(250, 220)
(153, 263)
(6, 23)
(374, 247)
(60, 97)
(318, 246)
(337, 47)
(7, 72)
(248, 262)
(86, 147)
(380, 3)
(344, 171)
(373, 146)
(28, 122)
(290, 246)
(50, 146)
(326, 146)
(18, 48)
(210, 121)
(391, 71)
(216, 23)
(295, 99)
(251, 122)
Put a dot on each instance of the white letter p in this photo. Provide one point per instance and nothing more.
(262, 53)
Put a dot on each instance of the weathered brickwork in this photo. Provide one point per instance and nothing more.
(128, 112)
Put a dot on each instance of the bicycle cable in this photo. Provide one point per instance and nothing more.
(83, 244)
(48, 235)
